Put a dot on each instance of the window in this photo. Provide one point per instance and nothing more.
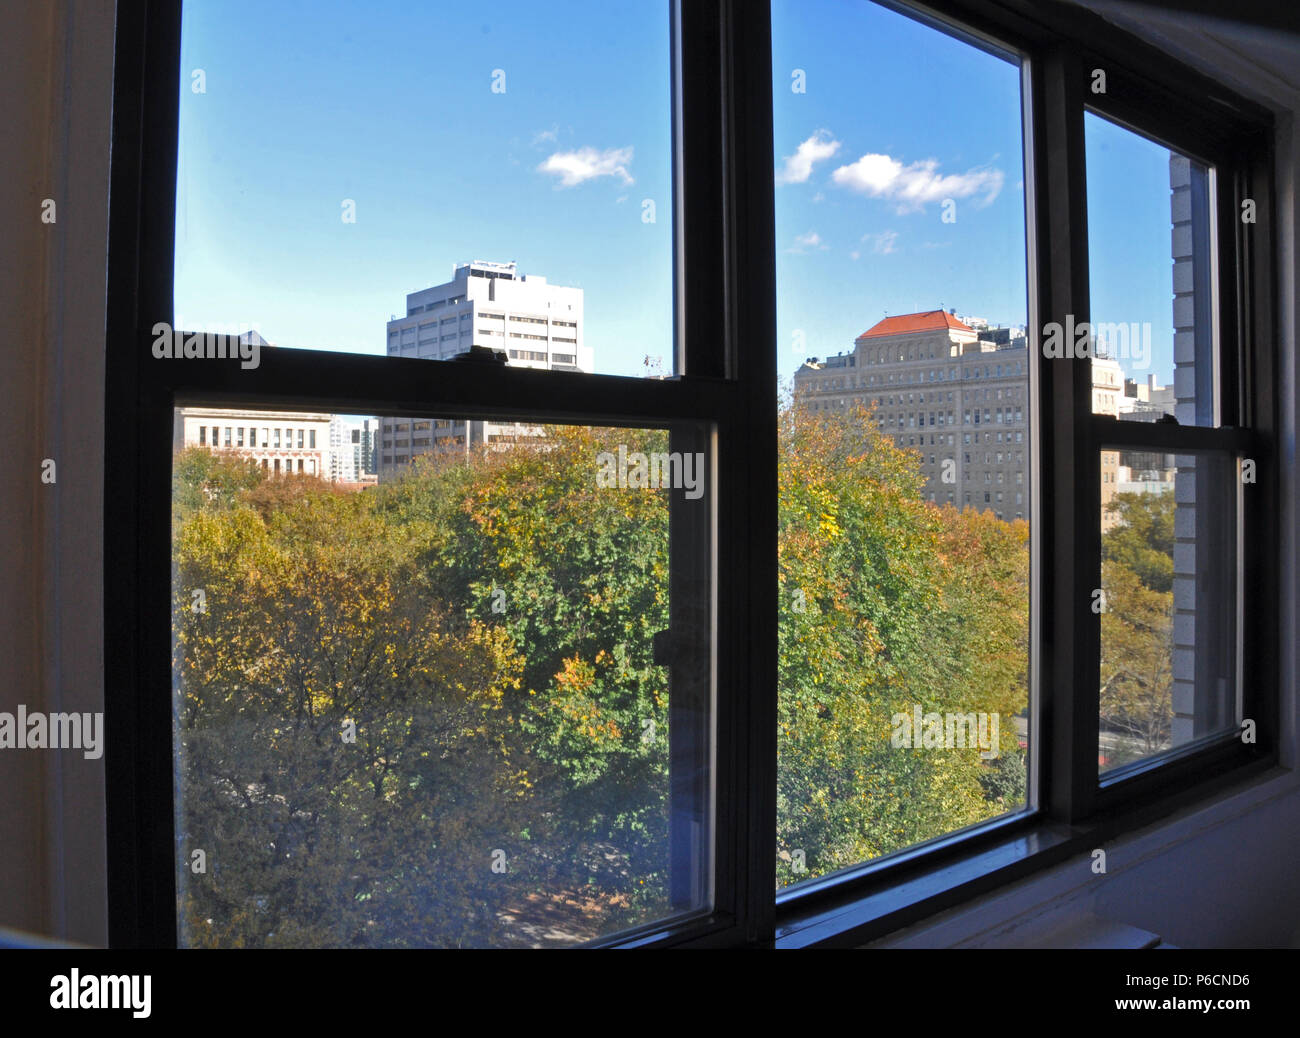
(750, 562)
(1169, 540)
(870, 743)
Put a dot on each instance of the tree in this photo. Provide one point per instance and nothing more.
(204, 479)
(886, 603)
(341, 747)
(1143, 538)
(1137, 624)
(1136, 659)
(486, 626)
(577, 575)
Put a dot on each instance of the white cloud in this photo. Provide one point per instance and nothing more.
(811, 240)
(798, 167)
(542, 136)
(883, 242)
(576, 167)
(855, 254)
(911, 187)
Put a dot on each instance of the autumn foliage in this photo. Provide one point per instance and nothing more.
(417, 715)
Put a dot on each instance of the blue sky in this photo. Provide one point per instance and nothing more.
(897, 117)
(1130, 271)
(391, 104)
(905, 117)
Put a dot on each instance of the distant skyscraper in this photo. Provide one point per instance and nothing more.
(351, 454)
(342, 467)
(365, 440)
(533, 323)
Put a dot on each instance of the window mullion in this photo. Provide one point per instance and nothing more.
(1071, 492)
(698, 209)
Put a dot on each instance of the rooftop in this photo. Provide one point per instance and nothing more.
(903, 324)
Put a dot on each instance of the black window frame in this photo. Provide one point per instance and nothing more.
(725, 349)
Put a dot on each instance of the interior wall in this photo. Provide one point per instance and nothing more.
(56, 81)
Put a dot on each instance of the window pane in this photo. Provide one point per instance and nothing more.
(1167, 602)
(1150, 277)
(418, 179)
(905, 436)
(438, 710)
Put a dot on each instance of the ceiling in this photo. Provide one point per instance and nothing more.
(1256, 59)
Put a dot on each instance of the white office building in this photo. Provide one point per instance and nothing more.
(534, 323)
(281, 442)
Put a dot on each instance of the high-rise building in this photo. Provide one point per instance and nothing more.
(531, 322)
(342, 466)
(957, 394)
(351, 451)
(1146, 472)
(365, 441)
(956, 390)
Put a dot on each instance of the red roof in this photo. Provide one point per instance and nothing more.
(930, 321)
